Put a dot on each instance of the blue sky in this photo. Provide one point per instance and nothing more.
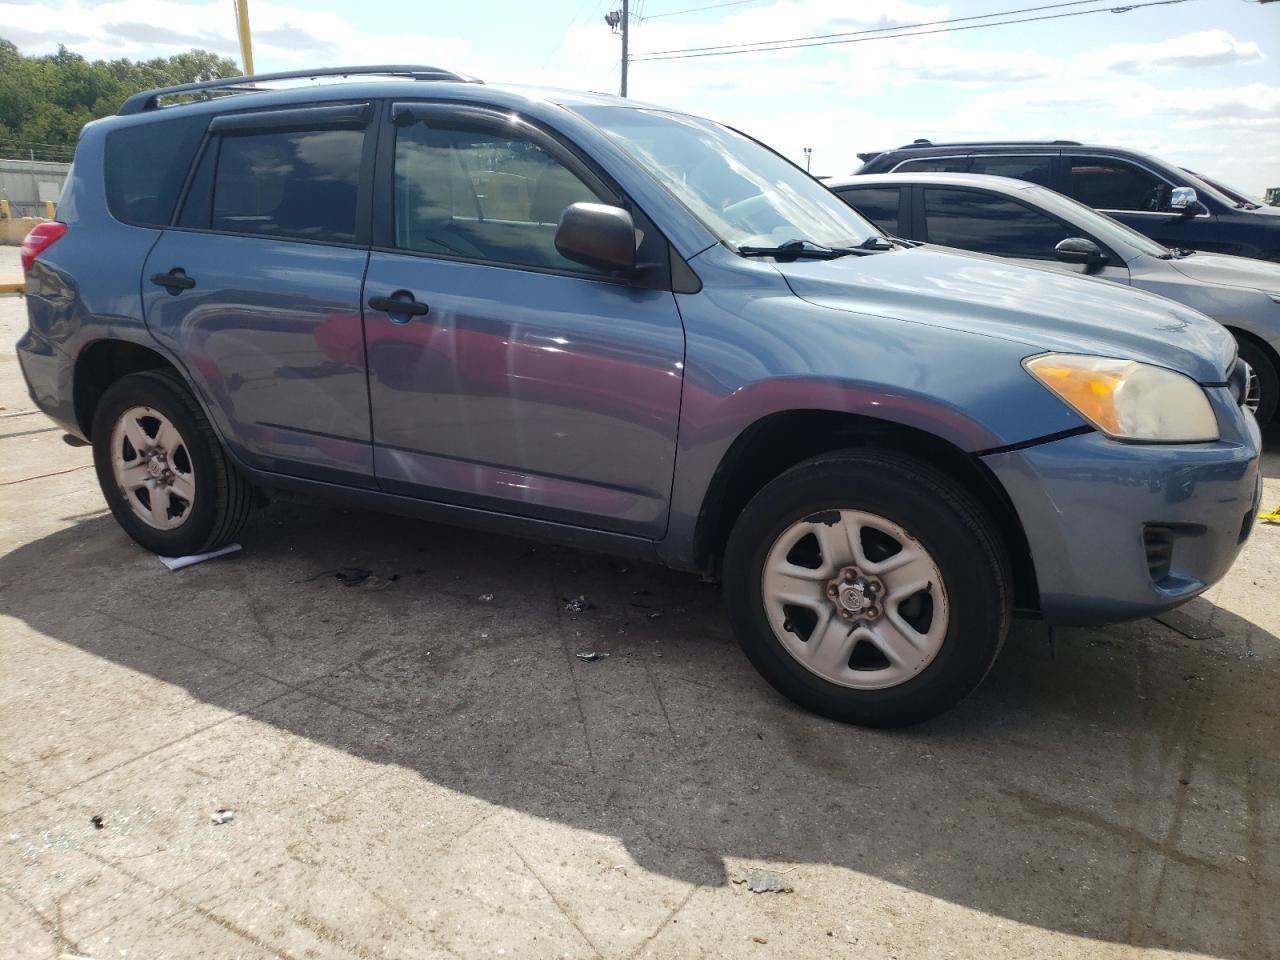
(1197, 82)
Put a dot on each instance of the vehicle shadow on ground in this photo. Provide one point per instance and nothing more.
(1080, 790)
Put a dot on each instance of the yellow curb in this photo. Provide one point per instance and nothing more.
(12, 286)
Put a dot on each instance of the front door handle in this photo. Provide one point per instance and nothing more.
(174, 281)
(399, 305)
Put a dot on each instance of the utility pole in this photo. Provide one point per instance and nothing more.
(808, 155)
(242, 27)
(619, 21)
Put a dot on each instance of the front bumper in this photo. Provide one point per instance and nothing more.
(1100, 517)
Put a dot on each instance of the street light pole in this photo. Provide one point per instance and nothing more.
(808, 155)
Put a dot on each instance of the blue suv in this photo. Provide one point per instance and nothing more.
(629, 329)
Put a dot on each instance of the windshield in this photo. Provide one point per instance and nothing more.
(744, 193)
(1110, 232)
(1236, 196)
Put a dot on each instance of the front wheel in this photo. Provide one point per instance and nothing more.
(867, 587)
(162, 469)
(1263, 390)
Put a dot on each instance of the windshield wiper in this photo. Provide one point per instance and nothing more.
(807, 249)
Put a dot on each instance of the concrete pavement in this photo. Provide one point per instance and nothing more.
(429, 770)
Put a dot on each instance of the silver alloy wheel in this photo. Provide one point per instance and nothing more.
(152, 467)
(1252, 391)
(855, 599)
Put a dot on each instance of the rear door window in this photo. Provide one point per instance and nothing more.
(1106, 184)
(1033, 168)
(989, 223)
(877, 204)
(297, 183)
(145, 166)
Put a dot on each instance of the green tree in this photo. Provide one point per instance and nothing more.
(45, 101)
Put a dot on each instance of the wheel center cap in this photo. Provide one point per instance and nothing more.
(155, 467)
(853, 597)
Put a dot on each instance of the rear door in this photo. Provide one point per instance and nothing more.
(257, 287)
(513, 379)
(988, 222)
(1032, 167)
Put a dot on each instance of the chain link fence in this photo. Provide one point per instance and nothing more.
(30, 150)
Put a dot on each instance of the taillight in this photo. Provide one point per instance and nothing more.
(40, 239)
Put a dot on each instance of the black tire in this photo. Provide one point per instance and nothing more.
(223, 498)
(924, 502)
(1268, 379)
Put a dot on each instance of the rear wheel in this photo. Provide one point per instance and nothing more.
(1264, 385)
(868, 588)
(162, 470)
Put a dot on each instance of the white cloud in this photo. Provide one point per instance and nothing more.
(282, 33)
(838, 99)
(1192, 51)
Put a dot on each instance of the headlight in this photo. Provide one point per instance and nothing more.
(1128, 400)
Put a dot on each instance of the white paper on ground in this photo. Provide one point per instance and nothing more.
(177, 563)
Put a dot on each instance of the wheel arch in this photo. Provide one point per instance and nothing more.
(103, 362)
(779, 441)
(1269, 351)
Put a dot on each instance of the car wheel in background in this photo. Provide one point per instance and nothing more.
(1264, 385)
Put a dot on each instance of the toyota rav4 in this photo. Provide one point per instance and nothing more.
(629, 329)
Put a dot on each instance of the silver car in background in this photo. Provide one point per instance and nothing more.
(1036, 225)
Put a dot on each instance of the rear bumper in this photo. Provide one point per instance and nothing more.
(1100, 517)
(48, 373)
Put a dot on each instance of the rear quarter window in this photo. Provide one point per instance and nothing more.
(146, 165)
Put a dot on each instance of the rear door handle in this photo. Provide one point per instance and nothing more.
(399, 304)
(175, 280)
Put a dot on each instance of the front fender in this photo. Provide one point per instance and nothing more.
(755, 350)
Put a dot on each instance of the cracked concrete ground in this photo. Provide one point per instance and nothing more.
(423, 772)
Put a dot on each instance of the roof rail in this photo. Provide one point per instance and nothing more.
(149, 99)
(922, 143)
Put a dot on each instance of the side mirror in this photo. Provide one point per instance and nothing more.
(1080, 250)
(597, 235)
(1183, 200)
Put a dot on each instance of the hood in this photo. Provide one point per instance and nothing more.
(1042, 308)
(1230, 271)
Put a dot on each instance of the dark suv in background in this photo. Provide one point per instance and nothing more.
(1172, 206)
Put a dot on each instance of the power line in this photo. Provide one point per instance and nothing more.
(901, 26)
(711, 6)
(800, 43)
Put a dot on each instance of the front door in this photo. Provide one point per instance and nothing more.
(975, 219)
(258, 290)
(1139, 198)
(501, 374)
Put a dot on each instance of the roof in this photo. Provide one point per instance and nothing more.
(387, 81)
(986, 181)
